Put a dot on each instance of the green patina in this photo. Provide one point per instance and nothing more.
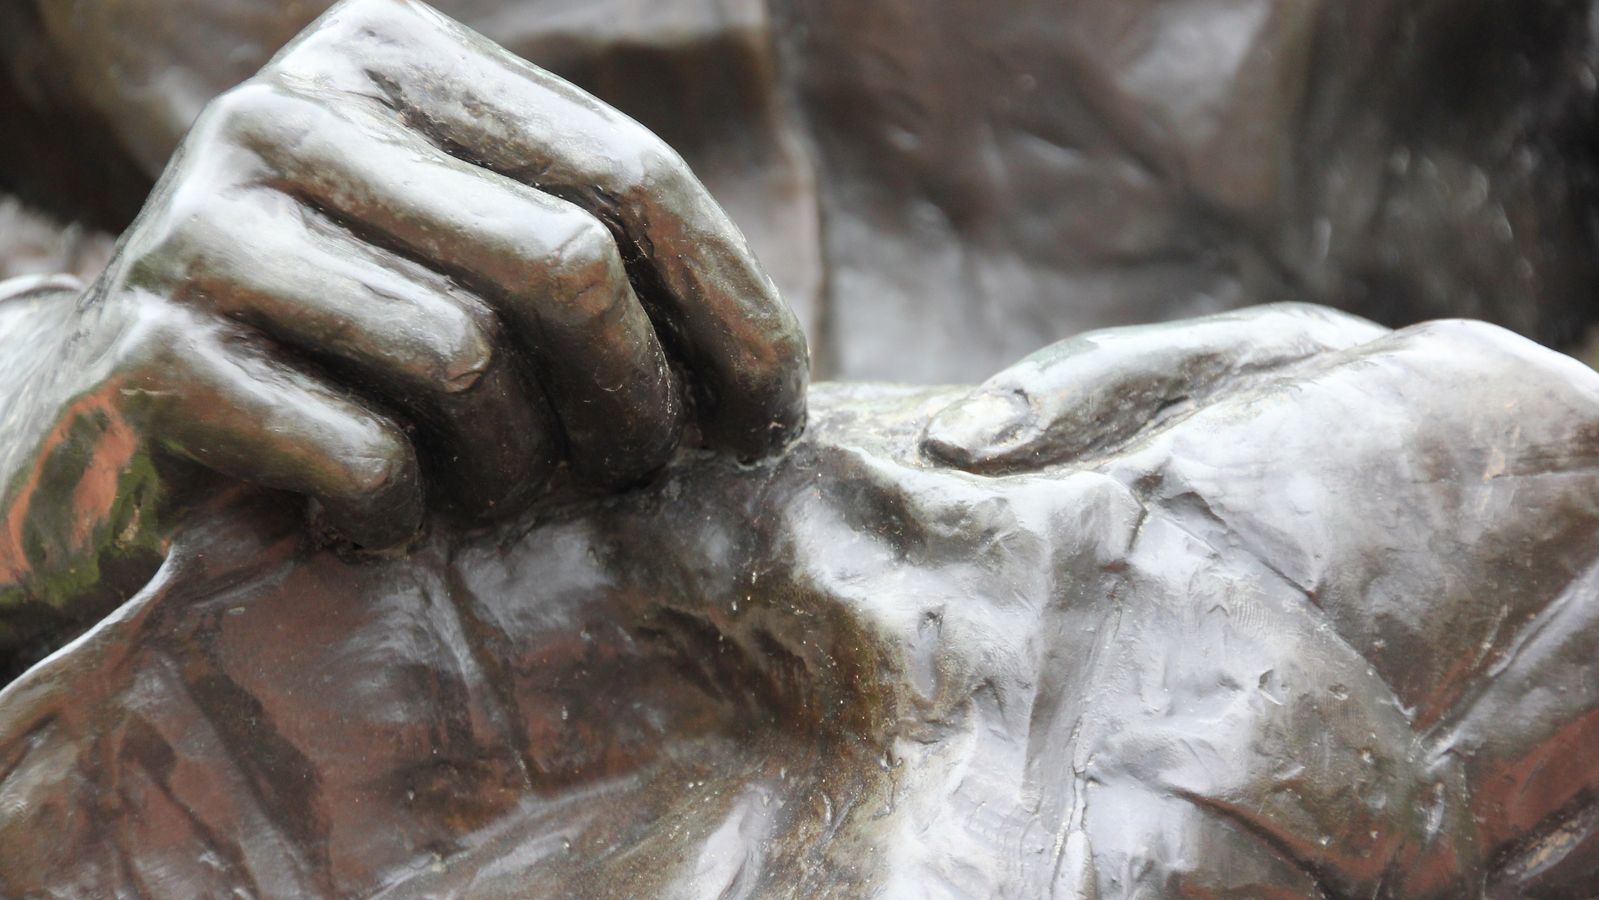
(65, 582)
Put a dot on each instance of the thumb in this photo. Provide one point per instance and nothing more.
(1096, 391)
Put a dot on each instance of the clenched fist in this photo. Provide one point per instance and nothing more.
(398, 265)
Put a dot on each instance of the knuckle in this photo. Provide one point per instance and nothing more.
(188, 237)
(1290, 309)
(153, 328)
(589, 247)
(1300, 311)
(339, 36)
(352, 17)
(197, 222)
(1327, 327)
(1473, 337)
(654, 170)
(156, 347)
(238, 111)
(361, 10)
(588, 257)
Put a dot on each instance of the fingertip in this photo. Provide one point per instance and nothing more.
(375, 527)
(763, 414)
(634, 449)
(981, 430)
(382, 500)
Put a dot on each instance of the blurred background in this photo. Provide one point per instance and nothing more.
(942, 186)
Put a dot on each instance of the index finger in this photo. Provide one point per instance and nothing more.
(715, 307)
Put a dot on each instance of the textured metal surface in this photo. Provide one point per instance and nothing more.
(1272, 602)
(1327, 632)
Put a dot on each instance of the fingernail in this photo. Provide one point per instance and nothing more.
(969, 432)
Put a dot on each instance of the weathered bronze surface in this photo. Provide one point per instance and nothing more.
(1275, 602)
(1326, 630)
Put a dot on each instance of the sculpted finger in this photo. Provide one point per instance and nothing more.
(717, 309)
(1099, 389)
(551, 270)
(385, 325)
(218, 399)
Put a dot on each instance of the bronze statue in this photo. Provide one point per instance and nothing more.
(939, 189)
(1272, 602)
